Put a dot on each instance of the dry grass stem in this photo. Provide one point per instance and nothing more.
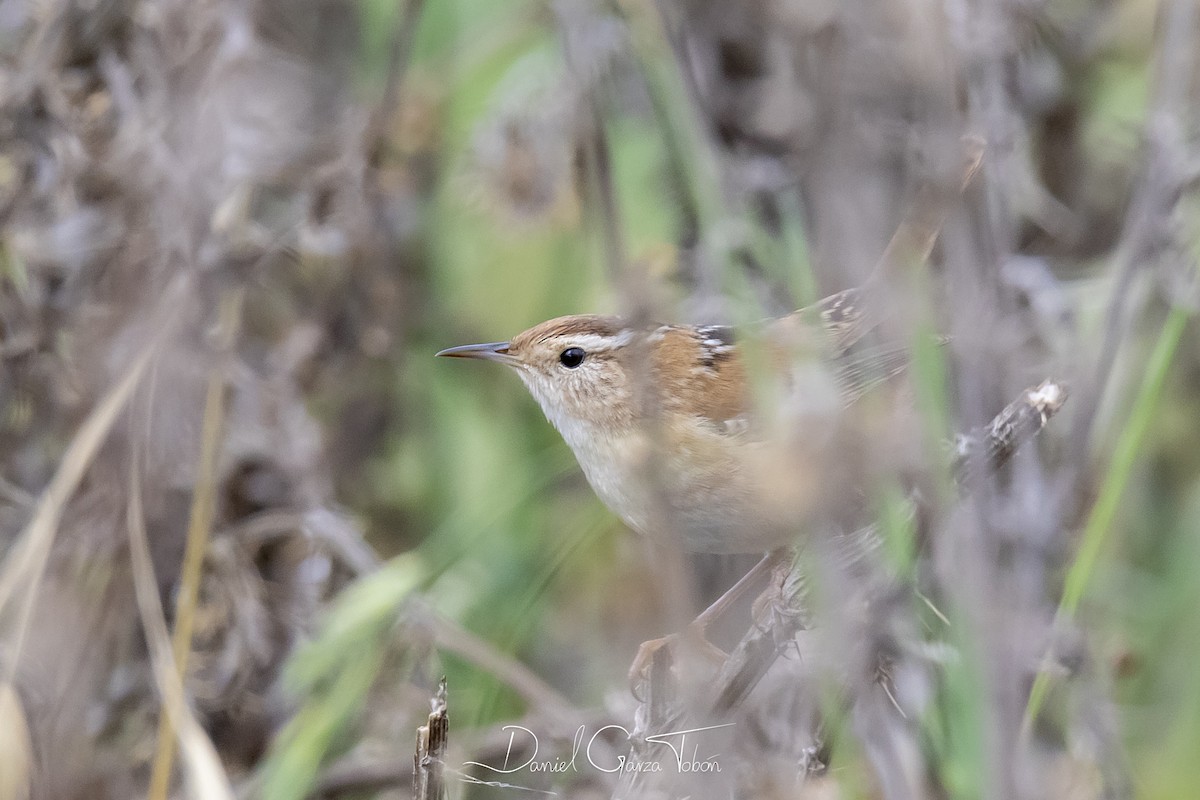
(199, 528)
(207, 778)
(25, 564)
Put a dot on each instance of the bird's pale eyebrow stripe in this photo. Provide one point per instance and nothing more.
(596, 343)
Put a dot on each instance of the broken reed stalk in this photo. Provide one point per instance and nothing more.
(199, 527)
(429, 761)
(986, 449)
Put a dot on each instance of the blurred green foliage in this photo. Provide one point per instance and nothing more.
(513, 540)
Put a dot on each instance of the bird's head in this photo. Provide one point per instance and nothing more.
(575, 367)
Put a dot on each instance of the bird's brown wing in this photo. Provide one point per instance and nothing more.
(702, 374)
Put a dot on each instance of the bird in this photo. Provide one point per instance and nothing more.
(687, 435)
(690, 442)
(737, 440)
(664, 423)
(696, 438)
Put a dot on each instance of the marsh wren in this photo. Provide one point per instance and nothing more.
(660, 417)
(668, 423)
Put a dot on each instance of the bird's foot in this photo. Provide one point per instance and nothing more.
(665, 653)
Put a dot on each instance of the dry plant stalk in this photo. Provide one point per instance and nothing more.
(199, 528)
(16, 747)
(988, 448)
(208, 778)
(433, 740)
(25, 564)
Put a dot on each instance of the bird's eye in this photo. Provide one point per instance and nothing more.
(572, 357)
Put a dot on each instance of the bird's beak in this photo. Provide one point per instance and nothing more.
(494, 351)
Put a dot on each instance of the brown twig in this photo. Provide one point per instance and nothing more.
(913, 241)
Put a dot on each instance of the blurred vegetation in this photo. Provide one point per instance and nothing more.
(386, 179)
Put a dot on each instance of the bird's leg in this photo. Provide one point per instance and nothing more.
(697, 628)
(764, 567)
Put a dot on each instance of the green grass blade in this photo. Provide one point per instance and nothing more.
(1129, 445)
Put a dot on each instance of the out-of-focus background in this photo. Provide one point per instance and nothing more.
(232, 235)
